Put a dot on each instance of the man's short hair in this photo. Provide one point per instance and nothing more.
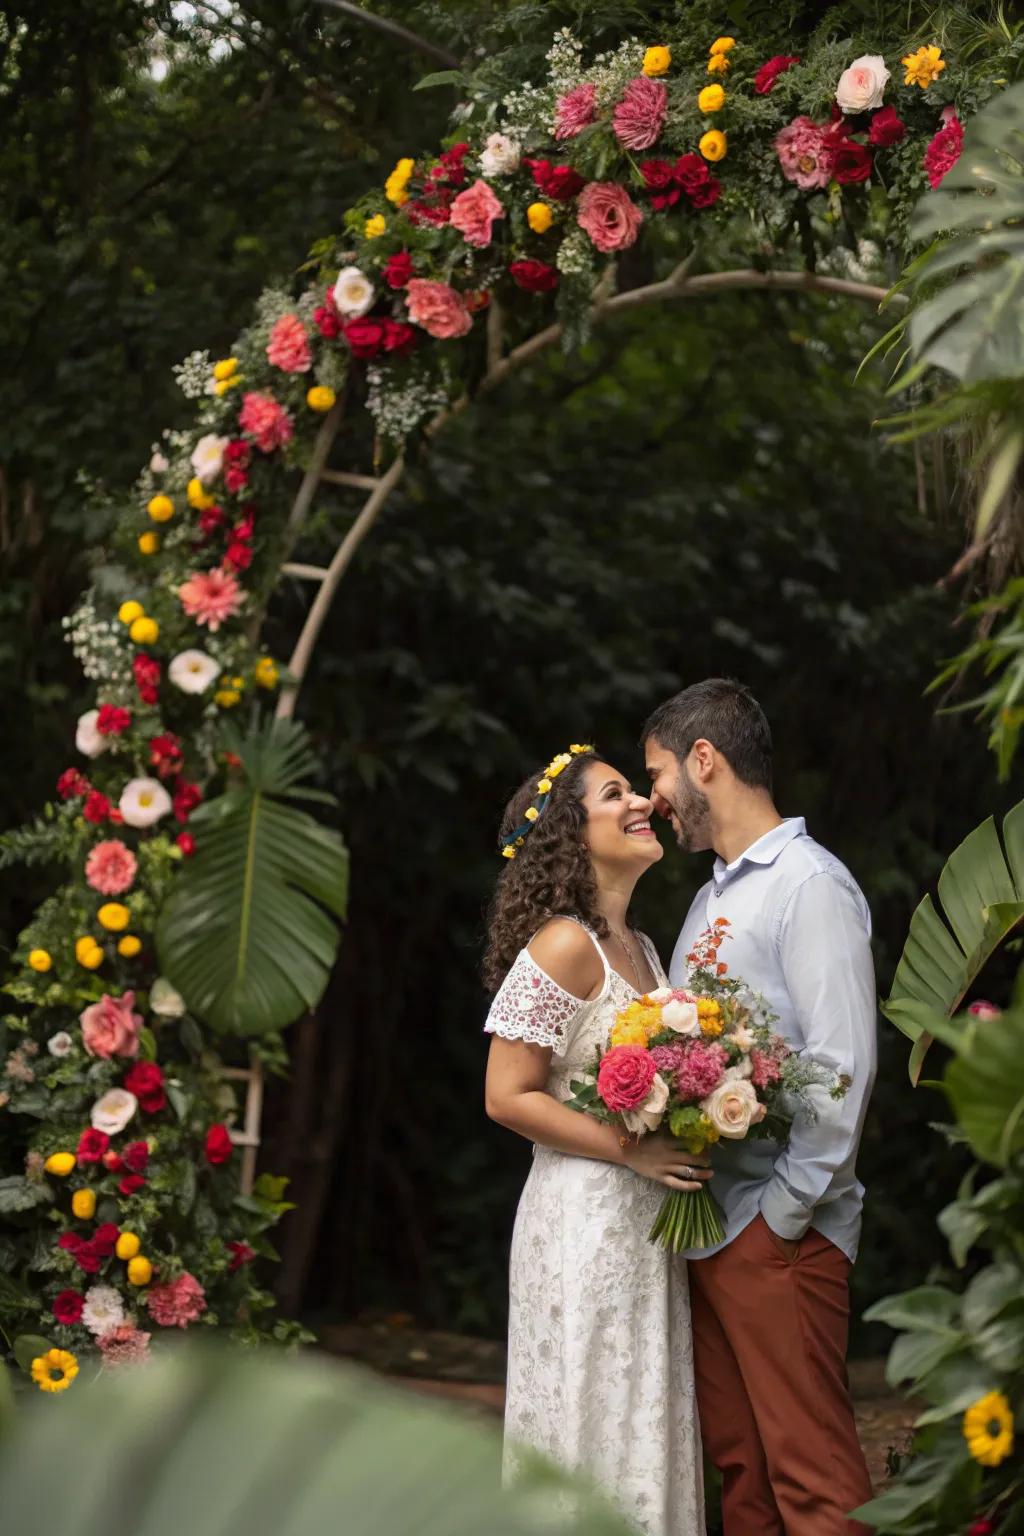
(724, 712)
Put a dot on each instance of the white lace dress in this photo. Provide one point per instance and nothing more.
(600, 1353)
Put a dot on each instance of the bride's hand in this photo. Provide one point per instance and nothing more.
(662, 1158)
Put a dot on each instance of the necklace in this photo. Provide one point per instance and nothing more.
(629, 956)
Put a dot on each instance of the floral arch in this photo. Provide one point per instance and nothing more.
(196, 901)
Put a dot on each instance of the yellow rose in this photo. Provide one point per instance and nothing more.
(39, 960)
(113, 916)
(144, 632)
(226, 698)
(713, 145)
(223, 385)
(161, 509)
(532, 813)
(722, 45)
(320, 398)
(265, 672)
(197, 496)
(149, 543)
(88, 952)
(140, 1270)
(83, 1204)
(657, 61)
(718, 64)
(60, 1164)
(128, 1245)
(544, 787)
(225, 368)
(540, 218)
(129, 612)
(711, 99)
(129, 946)
(375, 226)
(395, 188)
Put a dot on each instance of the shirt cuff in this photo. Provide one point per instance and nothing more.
(783, 1215)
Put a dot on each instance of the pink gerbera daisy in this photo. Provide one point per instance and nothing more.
(211, 597)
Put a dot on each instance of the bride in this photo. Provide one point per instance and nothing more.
(600, 1370)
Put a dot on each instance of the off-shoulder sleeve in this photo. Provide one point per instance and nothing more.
(530, 1006)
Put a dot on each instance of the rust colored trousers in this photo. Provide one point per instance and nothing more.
(770, 1338)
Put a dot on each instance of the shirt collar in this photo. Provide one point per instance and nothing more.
(765, 851)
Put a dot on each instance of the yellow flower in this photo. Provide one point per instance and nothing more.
(540, 218)
(722, 45)
(711, 99)
(197, 496)
(718, 64)
(544, 787)
(54, 1371)
(40, 960)
(710, 1015)
(645, 1017)
(558, 763)
(628, 1033)
(226, 698)
(265, 672)
(320, 398)
(531, 813)
(225, 368)
(375, 226)
(149, 543)
(60, 1164)
(144, 632)
(88, 952)
(657, 61)
(238, 682)
(713, 145)
(988, 1426)
(128, 1245)
(113, 916)
(140, 1270)
(223, 385)
(395, 188)
(130, 611)
(83, 1204)
(577, 750)
(923, 67)
(129, 946)
(161, 509)
(508, 853)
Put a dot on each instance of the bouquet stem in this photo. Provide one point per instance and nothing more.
(688, 1219)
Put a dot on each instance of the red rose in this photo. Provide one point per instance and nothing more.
(186, 798)
(851, 162)
(112, 1162)
(625, 1076)
(235, 479)
(238, 452)
(87, 1259)
(187, 843)
(768, 73)
(147, 678)
(559, 182)
(146, 1081)
(707, 195)
(326, 317)
(398, 337)
(104, 1239)
(660, 180)
(112, 720)
(71, 784)
(533, 276)
(887, 128)
(96, 808)
(70, 1242)
(67, 1307)
(691, 172)
(131, 1184)
(238, 555)
(218, 1145)
(365, 337)
(398, 270)
(241, 1254)
(165, 755)
(92, 1145)
(246, 525)
(136, 1156)
(210, 519)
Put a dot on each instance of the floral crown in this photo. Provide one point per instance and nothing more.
(510, 845)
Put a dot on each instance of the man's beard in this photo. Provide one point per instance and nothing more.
(693, 814)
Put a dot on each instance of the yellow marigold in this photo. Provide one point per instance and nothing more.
(113, 915)
(320, 398)
(40, 960)
(144, 631)
(722, 45)
(60, 1164)
(226, 698)
(225, 368)
(83, 1204)
(265, 672)
(223, 385)
(657, 61)
(197, 496)
(160, 509)
(923, 67)
(713, 145)
(396, 186)
(129, 946)
(627, 1033)
(711, 99)
(988, 1428)
(540, 218)
(149, 543)
(128, 1246)
(140, 1270)
(88, 952)
(375, 226)
(718, 64)
(54, 1371)
(130, 611)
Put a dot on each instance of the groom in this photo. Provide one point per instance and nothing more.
(771, 1304)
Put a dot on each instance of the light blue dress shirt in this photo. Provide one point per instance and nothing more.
(800, 933)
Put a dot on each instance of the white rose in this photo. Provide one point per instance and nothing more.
(165, 1001)
(103, 1309)
(682, 1017)
(353, 293)
(143, 802)
(500, 156)
(647, 1116)
(158, 464)
(193, 671)
(660, 995)
(733, 1108)
(87, 738)
(59, 1044)
(862, 86)
(208, 457)
(743, 1038)
(113, 1110)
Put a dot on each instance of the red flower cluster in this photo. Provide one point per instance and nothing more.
(67, 1307)
(97, 808)
(326, 317)
(434, 204)
(398, 270)
(887, 128)
(147, 678)
(91, 1146)
(241, 1254)
(166, 756)
(559, 182)
(239, 551)
(187, 843)
(534, 276)
(112, 720)
(146, 1080)
(89, 1253)
(690, 174)
(218, 1145)
(131, 1184)
(945, 149)
(369, 336)
(768, 73)
(136, 1156)
(186, 797)
(237, 456)
(72, 785)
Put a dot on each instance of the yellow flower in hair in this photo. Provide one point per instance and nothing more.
(576, 749)
(508, 853)
(532, 813)
(544, 787)
(540, 218)
(558, 763)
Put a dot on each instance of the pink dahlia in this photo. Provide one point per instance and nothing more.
(474, 212)
(701, 1070)
(437, 308)
(111, 1026)
(123, 1345)
(804, 153)
(288, 348)
(266, 422)
(211, 597)
(945, 149)
(110, 867)
(575, 110)
(609, 216)
(640, 115)
(178, 1303)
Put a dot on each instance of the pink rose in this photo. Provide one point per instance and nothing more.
(437, 308)
(609, 216)
(625, 1076)
(575, 110)
(804, 154)
(110, 867)
(474, 212)
(110, 1027)
(640, 115)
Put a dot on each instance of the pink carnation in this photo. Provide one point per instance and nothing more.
(288, 348)
(210, 597)
(437, 308)
(474, 212)
(804, 154)
(575, 110)
(765, 1068)
(945, 149)
(609, 216)
(178, 1303)
(124, 1345)
(701, 1070)
(111, 1027)
(266, 422)
(640, 115)
(110, 867)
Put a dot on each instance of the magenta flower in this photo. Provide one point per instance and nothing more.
(110, 867)
(211, 597)
(575, 111)
(609, 215)
(640, 115)
(288, 348)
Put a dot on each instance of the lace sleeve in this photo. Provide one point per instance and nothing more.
(530, 1006)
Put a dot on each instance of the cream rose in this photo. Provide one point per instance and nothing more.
(112, 1112)
(862, 86)
(647, 1116)
(733, 1108)
(353, 293)
(500, 156)
(682, 1017)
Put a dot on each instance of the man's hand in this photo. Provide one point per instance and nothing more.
(664, 1159)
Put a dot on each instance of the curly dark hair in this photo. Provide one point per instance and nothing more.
(551, 875)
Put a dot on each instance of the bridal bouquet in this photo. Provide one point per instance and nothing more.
(704, 1060)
